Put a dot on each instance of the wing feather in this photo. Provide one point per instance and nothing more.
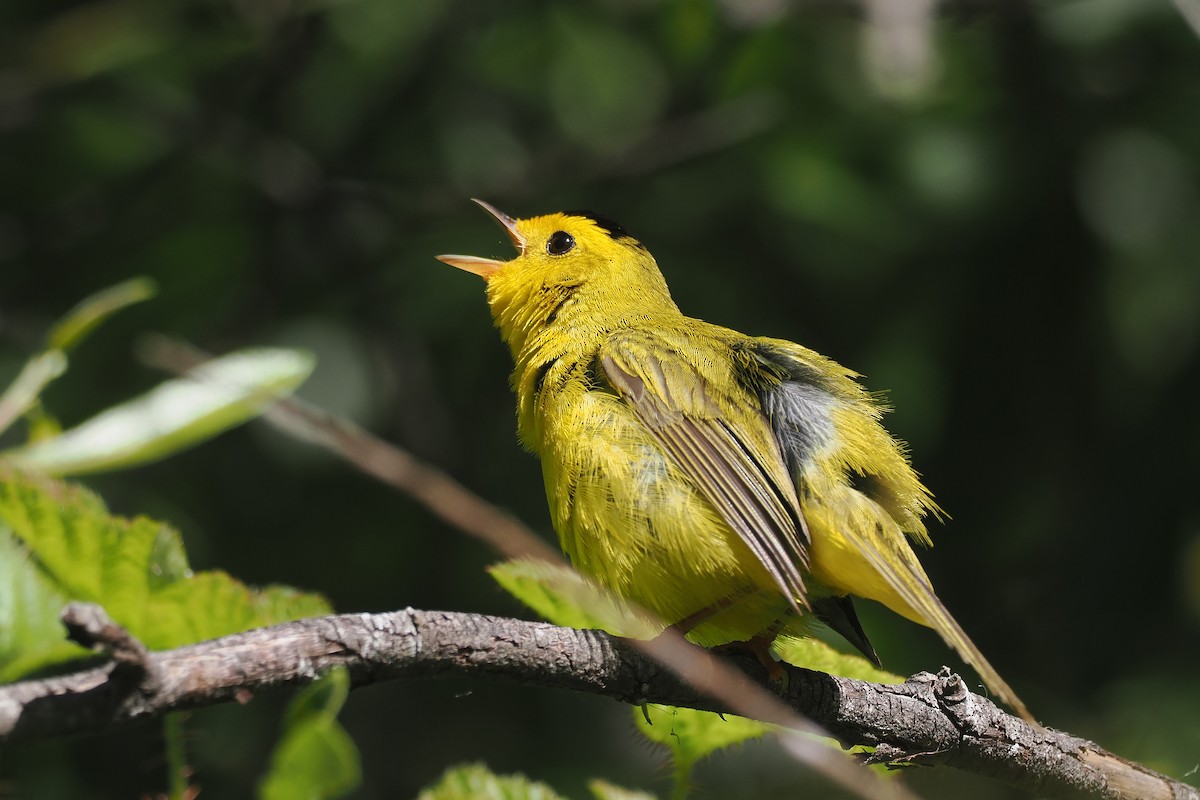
(745, 480)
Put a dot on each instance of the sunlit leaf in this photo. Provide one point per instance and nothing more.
(58, 543)
(21, 397)
(22, 393)
(77, 323)
(691, 735)
(31, 636)
(561, 595)
(213, 604)
(814, 654)
(175, 415)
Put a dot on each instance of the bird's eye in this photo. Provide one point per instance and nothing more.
(560, 242)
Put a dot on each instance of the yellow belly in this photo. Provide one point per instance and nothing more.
(851, 538)
(627, 517)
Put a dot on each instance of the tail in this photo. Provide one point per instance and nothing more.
(905, 576)
(938, 618)
(875, 561)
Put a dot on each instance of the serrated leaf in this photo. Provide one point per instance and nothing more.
(603, 790)
(213, 604)
(30, 634)
(81, 320)
(691, 735)
(562, 596)
(477, 782)
(84, 553)
(814, 654)
(61, 544)
(173, 416)
(315, 757)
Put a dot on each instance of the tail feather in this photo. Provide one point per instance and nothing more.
(905, 575)
(940, 620)
(876, 539)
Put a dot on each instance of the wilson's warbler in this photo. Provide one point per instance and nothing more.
(729, 483)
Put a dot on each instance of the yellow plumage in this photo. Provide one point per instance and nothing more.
(736, 482)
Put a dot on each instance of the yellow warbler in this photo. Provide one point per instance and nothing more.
(731, 484)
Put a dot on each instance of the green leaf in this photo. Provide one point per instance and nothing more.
(315, 757)
(31, 636)
(175, 415)
(77, 323)
(58, 543)
(477, 782)
(603, 790)
(213, 604)
(22, 394)
(691, 735)
(814, 654)
(563, 596)
(82, 551)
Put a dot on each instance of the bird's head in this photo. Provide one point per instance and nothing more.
(573, 267)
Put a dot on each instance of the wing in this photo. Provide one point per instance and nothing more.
(862, 491)
(722, 443)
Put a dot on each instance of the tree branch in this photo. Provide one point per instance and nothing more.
(930, 719)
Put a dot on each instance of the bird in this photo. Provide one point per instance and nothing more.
(733, 485)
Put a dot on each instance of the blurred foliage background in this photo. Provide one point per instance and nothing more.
(990, 209)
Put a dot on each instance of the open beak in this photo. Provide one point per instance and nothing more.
(487, 267)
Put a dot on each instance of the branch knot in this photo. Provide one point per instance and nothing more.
(88, 624)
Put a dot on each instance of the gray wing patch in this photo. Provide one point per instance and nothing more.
(799, 414)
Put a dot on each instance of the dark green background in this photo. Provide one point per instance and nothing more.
(1007, 239)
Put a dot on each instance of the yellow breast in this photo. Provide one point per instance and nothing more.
(629, 518)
